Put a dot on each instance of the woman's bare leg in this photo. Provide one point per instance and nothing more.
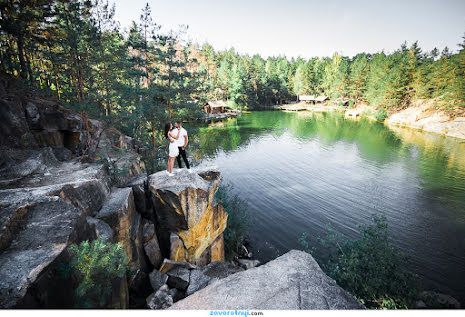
(170, 164)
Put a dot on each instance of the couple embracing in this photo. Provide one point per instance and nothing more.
(178, 141)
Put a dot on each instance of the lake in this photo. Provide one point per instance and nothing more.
(300, 172)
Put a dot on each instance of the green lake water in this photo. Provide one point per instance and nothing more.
(302, 171)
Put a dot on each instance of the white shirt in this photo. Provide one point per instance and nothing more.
(181, 139)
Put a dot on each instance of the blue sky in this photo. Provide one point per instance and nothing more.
(308, 28)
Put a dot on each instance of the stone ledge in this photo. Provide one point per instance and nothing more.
(292, 281)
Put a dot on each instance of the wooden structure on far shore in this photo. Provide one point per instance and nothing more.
(312, 99)
(215, 106)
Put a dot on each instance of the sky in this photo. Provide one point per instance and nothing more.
(307, 28)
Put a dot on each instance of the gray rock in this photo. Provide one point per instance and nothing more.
(119, 212)
(102, 229)
(440, 300)
(420, 304)
(181, 201)
(151, 245)
(168, 265)
(160, 299)
(139, 284)
(205, 276)
(292, 281)
(247, 263)
(62, 153)
(30, 250)
(157, 279)
(177, 248)
(14, 130)
(176, 294)
(89, 196)
(141, 203)
(178, 277)
(38, 162)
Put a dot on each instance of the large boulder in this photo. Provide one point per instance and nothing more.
(38, 223)
(184, 206)
(101, 228)
(151, 246)
(120, 214)
(424, 115)
(161, 299)
(14, 130)
(20, 165)
(142, 197)
(85, 186)
(178, 277)
(292, 281)
(202, 277)
(34, 238)
(157, 279)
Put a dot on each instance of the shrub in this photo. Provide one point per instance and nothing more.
(370, 267)
(234, 234)
(366, 113)
(351, 103)
(381, 114)
(95, 266)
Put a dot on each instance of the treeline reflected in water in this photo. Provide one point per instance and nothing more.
(300, 171)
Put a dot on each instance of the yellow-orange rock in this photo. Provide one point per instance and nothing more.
(187, 216)
(217, 249)
(205, 232)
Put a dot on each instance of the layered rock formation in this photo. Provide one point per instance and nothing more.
(36, 227)
(292, 281)
(424, 116)
(49, 198)
(188, 218)
(421, 114)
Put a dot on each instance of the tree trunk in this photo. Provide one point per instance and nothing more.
(22, 62)
(29, 69)
(169, 94)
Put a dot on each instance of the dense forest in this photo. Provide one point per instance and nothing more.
(138, 78)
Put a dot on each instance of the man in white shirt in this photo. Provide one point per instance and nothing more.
(182, 141)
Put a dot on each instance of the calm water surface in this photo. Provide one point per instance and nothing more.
(300, 172)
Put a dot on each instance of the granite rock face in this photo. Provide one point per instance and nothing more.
(202, 277)
(422, 115)
(102, 229)
(42, 231)
(151, 245)
(161, 299)
(292, 281)
(189, 221)
(120, 214)
(49, 198)
(38, 223)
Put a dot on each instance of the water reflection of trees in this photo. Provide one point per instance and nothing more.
(439, 161)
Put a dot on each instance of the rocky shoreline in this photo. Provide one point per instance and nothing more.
(53, 194)
(421, 115)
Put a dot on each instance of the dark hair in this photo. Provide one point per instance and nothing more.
(179, 122)
(167, 129)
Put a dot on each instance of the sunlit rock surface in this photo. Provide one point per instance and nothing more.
(292, 281)
(187, 216)
(423, 115)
